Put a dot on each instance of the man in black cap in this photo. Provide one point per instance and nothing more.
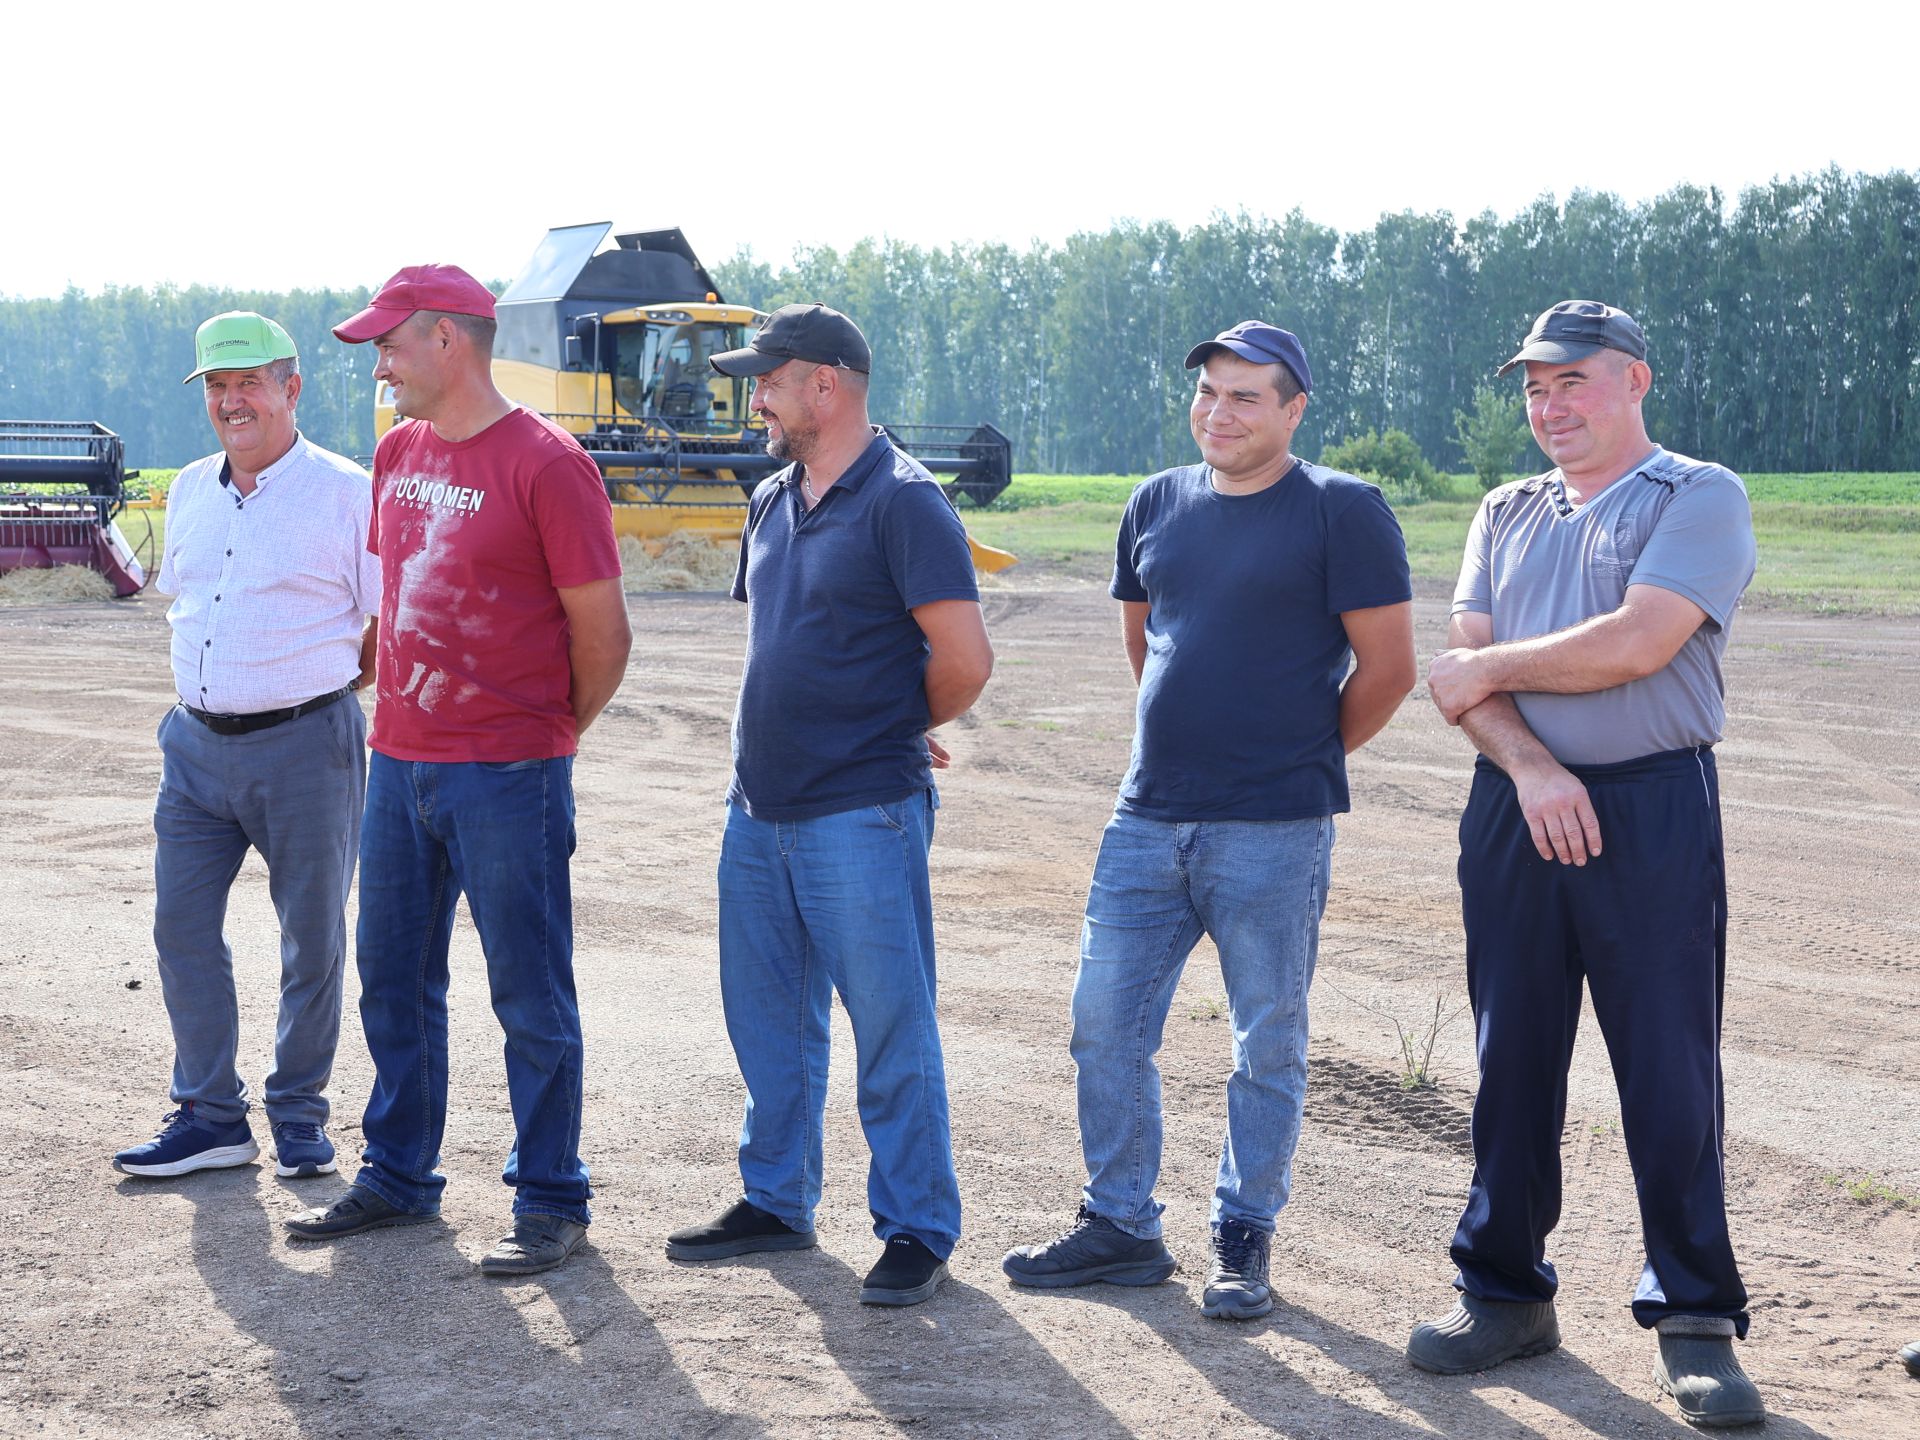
(1247, 585)
(864, 633)
(1588, 629)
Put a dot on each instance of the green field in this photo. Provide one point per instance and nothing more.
(1843, 543)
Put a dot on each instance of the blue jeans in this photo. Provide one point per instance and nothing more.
(502, 834)
(807, 907)
(1258, 888)
(293, 792)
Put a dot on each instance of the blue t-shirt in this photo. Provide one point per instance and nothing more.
(833, 701)
(1239, 713)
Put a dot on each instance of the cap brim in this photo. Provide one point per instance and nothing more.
(1550, 352)
(370, 324)
(254, 363)
(1197, 356)
(746, 362)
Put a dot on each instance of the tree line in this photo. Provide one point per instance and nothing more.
(1782, 327)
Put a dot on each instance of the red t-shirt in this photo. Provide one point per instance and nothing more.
(474, 538)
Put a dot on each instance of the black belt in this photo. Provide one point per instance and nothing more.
(264, 719)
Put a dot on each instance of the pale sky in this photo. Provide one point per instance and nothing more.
(297, 145)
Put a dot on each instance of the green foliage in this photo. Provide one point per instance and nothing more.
(1392, 461)
(1492, 436)
(1783, 326)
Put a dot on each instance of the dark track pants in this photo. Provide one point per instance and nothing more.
(1645, 926)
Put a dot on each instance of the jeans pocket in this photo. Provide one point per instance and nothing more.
(891, 815)
(508, 767)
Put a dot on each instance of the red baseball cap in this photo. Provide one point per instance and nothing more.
(446, 288)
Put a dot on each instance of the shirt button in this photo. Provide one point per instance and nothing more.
(209, 644)
(229, 553)
(216, 599)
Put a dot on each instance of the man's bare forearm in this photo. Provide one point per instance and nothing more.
(1498, 732)
(598, 666)
(1367, 702)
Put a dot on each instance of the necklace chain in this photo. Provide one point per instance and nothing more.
(806, 484)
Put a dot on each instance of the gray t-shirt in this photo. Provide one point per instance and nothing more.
(1536, 565)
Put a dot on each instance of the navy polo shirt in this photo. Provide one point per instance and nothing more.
(833, 701)
(1240, 695)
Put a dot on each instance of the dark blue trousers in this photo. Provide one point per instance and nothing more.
(1644, 925)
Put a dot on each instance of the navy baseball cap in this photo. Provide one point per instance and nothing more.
(1260, 343)
(799, 332)
(1575, 329)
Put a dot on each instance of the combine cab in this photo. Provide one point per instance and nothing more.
(62, 482)
(614, 346)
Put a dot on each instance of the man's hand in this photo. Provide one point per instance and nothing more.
(937, 755)
(1456, 684)
(1559, 814)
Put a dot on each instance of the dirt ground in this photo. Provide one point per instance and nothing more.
(175, 1308)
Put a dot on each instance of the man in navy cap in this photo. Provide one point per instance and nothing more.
(1247, 584)
(1588, 629)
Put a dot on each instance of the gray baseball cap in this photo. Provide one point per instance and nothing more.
(1575, 329)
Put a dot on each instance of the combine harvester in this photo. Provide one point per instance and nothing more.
(62, 482)
(612, 345)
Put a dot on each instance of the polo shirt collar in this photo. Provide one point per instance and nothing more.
(1647, 462)
(286, 462)
(856, 473)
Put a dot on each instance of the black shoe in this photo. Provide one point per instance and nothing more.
(906, 1273)
(359, 1209)
(740, 1230)
(1910, 1357)
(1705, 1380)
(1479, 1334)
(1094, 1248)
(536, 1243)
(1237, 1283)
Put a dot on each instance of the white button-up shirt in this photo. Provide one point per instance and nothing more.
(271, 589)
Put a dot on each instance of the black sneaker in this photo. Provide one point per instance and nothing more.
(740, 1230)
(1237, 1282)
(906, 1273)
(1093, 1249)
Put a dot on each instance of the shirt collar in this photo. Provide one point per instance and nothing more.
(294, 452)
(1552, 477)
(857, 473)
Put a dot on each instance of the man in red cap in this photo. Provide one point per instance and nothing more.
(503, 634)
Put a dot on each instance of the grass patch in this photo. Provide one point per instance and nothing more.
(1870, 1190)
(1827, 543)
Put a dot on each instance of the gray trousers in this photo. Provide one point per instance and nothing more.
(294, 793)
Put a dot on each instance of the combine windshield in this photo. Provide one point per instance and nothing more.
(661, 369)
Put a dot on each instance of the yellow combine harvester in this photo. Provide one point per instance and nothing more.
(613, 345)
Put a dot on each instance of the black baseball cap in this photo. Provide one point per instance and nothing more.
(1575, 329)
(1260, 343)
(800, 332)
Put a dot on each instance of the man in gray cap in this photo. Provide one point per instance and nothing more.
(1248, 584)
(266, 558)
(1588, 629)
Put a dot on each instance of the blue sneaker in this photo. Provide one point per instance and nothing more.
(302, 1149)
(187, 1143)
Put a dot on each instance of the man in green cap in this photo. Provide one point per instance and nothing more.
(266, 558)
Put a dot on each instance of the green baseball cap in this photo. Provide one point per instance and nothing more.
(239, 340)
